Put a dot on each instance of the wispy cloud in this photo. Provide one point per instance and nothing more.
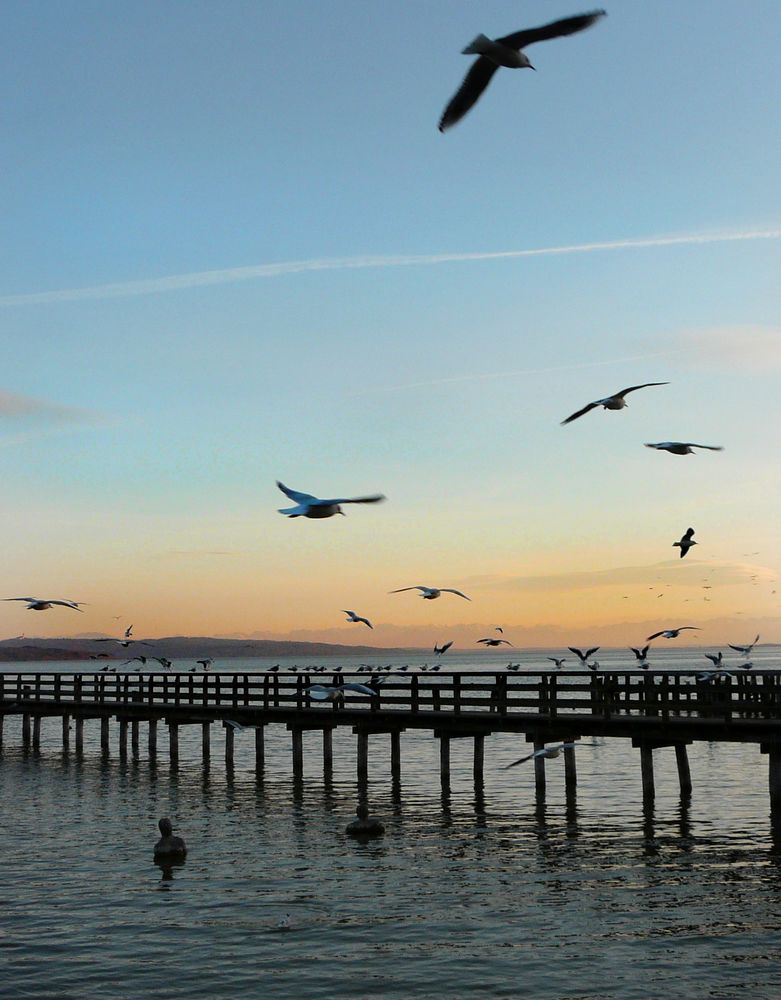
(14, 406)
(201, 279)
(751, 348)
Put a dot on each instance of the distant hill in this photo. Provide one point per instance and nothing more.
(186, 647)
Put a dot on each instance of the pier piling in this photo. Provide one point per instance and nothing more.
(66, 732)
(684, 774)
(152, 744)
(647, 771)
(36, 732)
(570, 769)
(444, 760)
(26, 730)
(479, 759)
(363, 758)
(395, 755)
(328, 751)
(229, 732)
(123, 738)
(104, 747)
(297, 738)
(260, 749)
(79, 735)
(206, 742)
(134, 738)
(173, 742)
(539, 768)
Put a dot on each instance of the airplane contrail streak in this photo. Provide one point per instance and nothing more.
(202, 279)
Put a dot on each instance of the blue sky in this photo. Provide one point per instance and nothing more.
(147, 140)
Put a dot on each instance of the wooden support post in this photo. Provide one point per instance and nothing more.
(229, 733)
(173, 742)
(328, 751)
(444, 760)
(134, 738)
(260, 749)
(123, 738)
(684, 774)
(570, 769)
(26, 729)
(152, 744)
(647, 771)
(206, 741)
(395, 738)
(66, 732)
(36, 732)
(2, 720)
(774, 775)
(79, 735)
(479, 759)
(539, 769)
(363, 758)
(298, 753)
(104, 748)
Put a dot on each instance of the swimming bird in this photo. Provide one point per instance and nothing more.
(309, 506)
(352, 617)
(583, 657)
(39, 604)
(715, 659)
(505, 51)
(614, 402)
(686, 542)
(431, 593)
(683, 447)
(494, 642)
(671, 633)
(641, 655)
(548, 752)
(441, 650)
(558, 660)
(745, 650)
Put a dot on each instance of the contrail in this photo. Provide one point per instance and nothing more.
(201, 279)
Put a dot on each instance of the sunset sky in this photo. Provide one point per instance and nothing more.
(237, 250)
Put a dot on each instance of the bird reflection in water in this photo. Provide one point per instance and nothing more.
(167, 866)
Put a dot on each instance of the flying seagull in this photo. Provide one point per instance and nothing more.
(641, 655)
(495, 642)
(309, 506)
(686, 542)
(39, 604)
(583, 657)
(505, 51)
(715, 660)
(558, 660)
(441, 650)
(321, 692)
(682, 447)
(547, 752)
(745, 650)
(671, 633)
(352, 617)
(614, 402)
(431, 593)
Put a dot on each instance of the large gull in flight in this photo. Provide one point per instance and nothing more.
(683, 447)
(41, 604)
(309, 506)
(431, 593)
(614, 402)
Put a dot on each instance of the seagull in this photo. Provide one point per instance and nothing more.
(746, 665)
(505, 51)
(614, 402)
(431, 593)
(205, 663)
(39, 604)
(499, 629)
(671, 633)
(309, 506)
(124, 643)
(336, 692)
(715, 659)
(686, 542)
(548, 752)
(141, 659)
(558, 660)
(744, 650)
(641, 655)
(164, 663)
(352, 617)
(683, 447)
(441, 650)
(237, 727)
(494, 642)
(583, 657)
(594, 665)
(128, 631)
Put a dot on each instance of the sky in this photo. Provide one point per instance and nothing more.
(236, 249)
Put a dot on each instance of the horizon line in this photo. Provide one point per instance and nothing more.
(201, 279)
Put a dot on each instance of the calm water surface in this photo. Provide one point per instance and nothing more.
(484, 892)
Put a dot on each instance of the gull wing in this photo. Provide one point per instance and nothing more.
(656, 635)
(633, 388)
(372, 498)
(318, 692)
(577, 653)
(556, 29)
(709, 447)
(23, 599)
(402, 589)
(574, 416)
(449, 590)
(360, 688)
(299, 511)
(695, 627)
(68, 604)
(467, 95)
(590, 652)
(302, 498)
(365, 622)
(521, 760)
(738, 649)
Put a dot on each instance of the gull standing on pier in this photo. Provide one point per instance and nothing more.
(431, 593)
(683, 447)
(41, 604)
(309, 506)
(686, 542)
(352, 617)
(614, 402)
(671, 633)
(505, 51)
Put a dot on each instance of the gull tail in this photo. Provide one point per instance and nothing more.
(478, 46)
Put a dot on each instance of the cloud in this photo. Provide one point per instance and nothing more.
(750, 348)
(193, 553)
(201, 279)
(14, 406)
(724, 574)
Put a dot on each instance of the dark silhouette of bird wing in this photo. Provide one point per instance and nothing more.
(474, 83)
(372, 498)
(556, 29)
(656, 635)
(709, 447)
(632, 388)
(580, 413)
(689, 533)
(295, 495)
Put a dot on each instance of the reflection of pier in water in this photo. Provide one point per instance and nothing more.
(653, 709)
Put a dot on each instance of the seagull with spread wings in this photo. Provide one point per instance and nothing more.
(671, 633)
(441, 650)
(505, 51)
(431, 593)
(641, 655)
(683, 447)
(352, 617)
(309, 506)
(686, 542)
(41, 604)
(494, 642)
(614, 402)
(583, 657)
(744, 650)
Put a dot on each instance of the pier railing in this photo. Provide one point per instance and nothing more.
(555, 696)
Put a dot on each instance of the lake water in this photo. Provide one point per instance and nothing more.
(478, 892)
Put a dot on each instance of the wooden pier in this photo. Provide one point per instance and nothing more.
(653, 709)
